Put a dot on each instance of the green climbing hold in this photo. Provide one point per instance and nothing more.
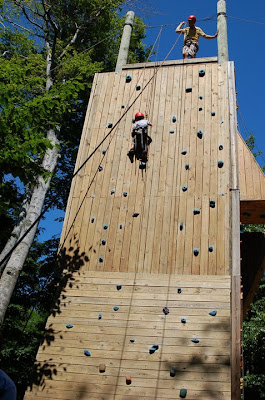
(183, 393)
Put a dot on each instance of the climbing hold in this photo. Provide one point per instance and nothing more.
(128, 78)
(92, 220)
(133, 120)
(118, 287)
(196, 252)
(184, 188)
(165, 310)
(69, 326)
(100, 168)
(213, 313)
(104, 151)
(128, 380)
(179, 290)
(196, 211)
(184, 152)
(105, 226)
(188, 89)
(220, 164)
(181, 226)
(153, 348)
(201, 72)
(187, 166)
(100, 259)
(174, 118)
(125, 194)
(93, 195)
(123, 106)
(99, 316)
(200, 108)
(116, 308)
(183, 393)
(142, 165)
(200, 97)
(87, 353)
(212, 203)
(213, 113)
(103, 242)
(171, 131)
(200, 134)
(138, 87)
(110, 125)
(172, 372)
(112, 191)
(183, 320)
(132, 340)
(135, 215)
(195, 340)
(221, 147)
(102, 368)
(210, 249)
(120, 226)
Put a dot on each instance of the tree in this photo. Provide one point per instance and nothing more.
(52, 80)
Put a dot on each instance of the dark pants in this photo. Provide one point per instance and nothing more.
(8, 389)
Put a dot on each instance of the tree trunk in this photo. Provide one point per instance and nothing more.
(15, 264)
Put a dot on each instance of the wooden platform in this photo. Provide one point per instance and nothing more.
(122, 339)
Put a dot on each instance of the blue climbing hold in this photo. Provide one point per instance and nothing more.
(179, 290)
(171, 131)
(174, 118)
(187, 166)
(183, 320)
(69, 326)
(172, 372)
(128, 78)
(87, 353)
(183, 393)
(99, 316)
(200, 134)
(133, 120)
(212, 203)
(105, 226)
(220, 164)
(210, 249)
(116, 308)
(118, 287)
(110, 125)
(104, 152)
(184, 152)
(103, 242)
(213, 313)
(201, 73)
(188, 89)
(184, 188)
(142, 165)
(125, 194)
(195, 340)
(196, 252)
(112, 191)
(100, 259)
(196, 211)
(132, 340)
(135, 215)
(153, 348)
(100, 168)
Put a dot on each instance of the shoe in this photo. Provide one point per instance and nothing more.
(130, 154)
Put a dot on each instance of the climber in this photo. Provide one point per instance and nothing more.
(191, 37)
(140, 126)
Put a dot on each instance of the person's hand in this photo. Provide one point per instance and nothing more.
(216, 33)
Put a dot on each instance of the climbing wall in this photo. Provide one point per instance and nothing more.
(144, 309)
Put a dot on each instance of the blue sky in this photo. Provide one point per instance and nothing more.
(246, 25)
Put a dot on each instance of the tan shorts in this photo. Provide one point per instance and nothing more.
(190, 48)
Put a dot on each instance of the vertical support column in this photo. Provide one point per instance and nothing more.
(125, 42)
(222, 42)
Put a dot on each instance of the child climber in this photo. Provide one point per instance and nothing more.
(140, 124)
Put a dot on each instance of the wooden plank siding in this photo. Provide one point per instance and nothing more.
(153, 242)
(202, 368)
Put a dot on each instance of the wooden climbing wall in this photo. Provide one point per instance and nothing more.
(176, 230)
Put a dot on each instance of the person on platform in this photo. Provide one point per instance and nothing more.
(191, 37)
(140, 124)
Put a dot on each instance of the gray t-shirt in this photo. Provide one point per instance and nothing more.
(143, 123)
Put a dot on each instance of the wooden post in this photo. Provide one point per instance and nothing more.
(125, 41)
(222, 28)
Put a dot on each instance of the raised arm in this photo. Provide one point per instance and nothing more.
(178, 29)
(211, 36)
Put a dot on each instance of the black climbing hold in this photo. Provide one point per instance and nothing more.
(195, 340)
(104, 152)
(92, 220)
(201, 72)
(112, 191)
(138, 87)
(69, 326)
(165, 310)
(221, 147)
(181, 226)
(87, 353)
(100, 168)
(118, 287)
(110, 125)
(213, 113)
(184, 188)
(196, 211)
(123, 106)
(120, 226)
(220, 164)
(171, 131)
(188, 89)
(183, 320)
(200, 108)
(135, 215)
(103, 242)
(212, 203)
(200, 134)
(128, 78)
(100, 259)
(174, 118)
(125, 194)
(99, 316)
(172, 372)
(105, 227)
(210, 249)
(184, 152)
(116, 308)
(132, 340)
(142, 165)
(196, 252)
(200, 97)
(213, 313)
(179, 290)
(187, 166)
(183, 393)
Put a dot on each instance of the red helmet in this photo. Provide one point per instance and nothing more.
(192, 18)
(138, 116)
